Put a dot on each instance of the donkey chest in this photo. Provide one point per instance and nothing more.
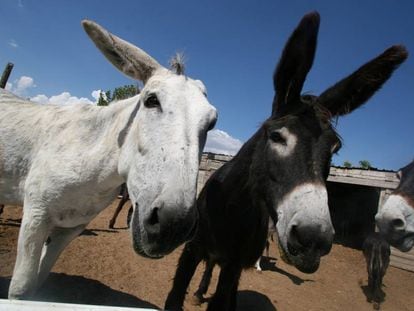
(240, 238)
(78, 209)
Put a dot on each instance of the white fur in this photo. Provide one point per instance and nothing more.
(65, 164)
(286, 149)
(396, 207)
(305, 204)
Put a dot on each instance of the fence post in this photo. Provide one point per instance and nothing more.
(5, 75)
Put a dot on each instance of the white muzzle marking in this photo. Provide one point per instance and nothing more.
(306, 204)
(396, 216)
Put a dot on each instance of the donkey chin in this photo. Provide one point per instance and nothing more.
(160, 233)
(303, 245)
(306, 261)
(403, 241)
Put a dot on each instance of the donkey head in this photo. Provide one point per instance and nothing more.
(396, 217)
(298, 142)
(161, 151)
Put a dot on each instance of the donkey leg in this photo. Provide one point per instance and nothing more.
(32, 235)
(129, 216)
(257, 264)
(226, 293)
(59, 238)
(205, 282)
(117, 211)
(267, 247)
(187, 264)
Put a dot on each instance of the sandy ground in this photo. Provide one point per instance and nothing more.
(100, 267)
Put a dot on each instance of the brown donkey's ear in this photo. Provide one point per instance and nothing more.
(354, 90)
(294, 64)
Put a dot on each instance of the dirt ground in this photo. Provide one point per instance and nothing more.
(100, 267)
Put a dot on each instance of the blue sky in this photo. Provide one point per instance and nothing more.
(233, 47)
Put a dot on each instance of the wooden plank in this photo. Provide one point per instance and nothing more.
(363, 181)
(372, 178)
(406, 256)
(402, 264)
(402, 260)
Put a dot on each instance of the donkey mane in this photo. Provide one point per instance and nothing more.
(322, 113)
(177, 63)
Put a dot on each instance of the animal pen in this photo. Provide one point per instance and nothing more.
(355, 196)
(71, 283)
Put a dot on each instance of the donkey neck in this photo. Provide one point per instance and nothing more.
(238, 176)
(119, 118)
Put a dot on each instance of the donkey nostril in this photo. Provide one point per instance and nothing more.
(300, 237)
(153, 220)
(314, 238)
(152, 223)
(398, 223)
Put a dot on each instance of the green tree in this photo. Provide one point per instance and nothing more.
(365, 164)
(347, 164)
(124, 92)
(102, 100)
(119, 93)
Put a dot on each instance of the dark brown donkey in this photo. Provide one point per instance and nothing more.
(280, 172)
(377, 255)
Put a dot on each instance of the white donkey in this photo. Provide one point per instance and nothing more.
(66, 164)
(396, 217)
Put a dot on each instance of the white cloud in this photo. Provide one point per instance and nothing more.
(64, 98)
(13, 43)
(95, 94)
(220, 142)
(21, 85)
(41, 99)
(24, 83)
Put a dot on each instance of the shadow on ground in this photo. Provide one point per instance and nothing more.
(269, 263)
(249, 300)
(64, 288)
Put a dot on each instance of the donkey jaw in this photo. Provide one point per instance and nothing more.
(405, 243)
(396, 222)
(157, 240)
(306, 262)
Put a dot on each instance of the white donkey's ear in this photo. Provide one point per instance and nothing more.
(125, 56)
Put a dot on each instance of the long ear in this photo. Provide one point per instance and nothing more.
(128, 58)
(354, 90)
(295, 63)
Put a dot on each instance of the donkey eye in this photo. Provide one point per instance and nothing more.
(152, 102)
(276, 137)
